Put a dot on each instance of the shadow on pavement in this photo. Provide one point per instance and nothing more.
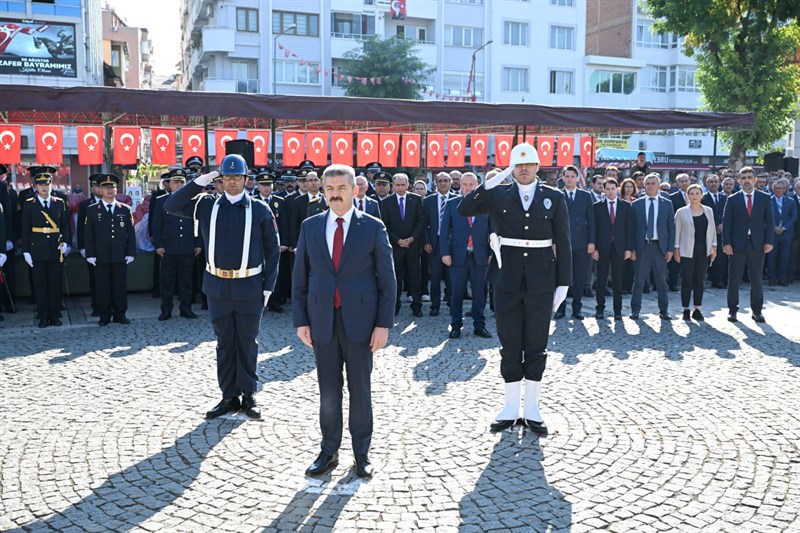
(295, 516)
(286, 365)
(449, 366)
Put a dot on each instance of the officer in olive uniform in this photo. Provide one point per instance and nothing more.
(110, 247)
(175, 242)
(45, 232)
(80, 230)
(531, 271)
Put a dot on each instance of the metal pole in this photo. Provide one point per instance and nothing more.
(516, 135)
(205, 132)
(714, 158)
(272, 135)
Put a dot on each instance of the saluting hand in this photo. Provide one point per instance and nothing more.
(380, 336)
(304, 332)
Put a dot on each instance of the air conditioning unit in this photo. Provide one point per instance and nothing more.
(114, 27)
(642, 145)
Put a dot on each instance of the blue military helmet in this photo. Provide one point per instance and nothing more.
(233, 164)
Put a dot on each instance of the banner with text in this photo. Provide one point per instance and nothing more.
(37, 48)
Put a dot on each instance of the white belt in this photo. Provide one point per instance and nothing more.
(496, 243)
(233, 274)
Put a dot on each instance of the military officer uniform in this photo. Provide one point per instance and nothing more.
(157, 195)
(278, 207)
(8, 200)
(80, 230)
(110, 247)
(45, 232)
(3, 256)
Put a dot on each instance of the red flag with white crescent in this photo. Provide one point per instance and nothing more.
(49, 144)
(317, 149)
(126, 145)
(502, 149)
(389, 142)
(435, 150)
(293, 148)
(545, 148)
(367, 149)
(220, 138)
(477, 149)
(260, 140)
(90, 145)
(342, 148)
(162, 142)
(194, 143)
(587, 151)
(566, 151)
(411, 149)
(456, 147)
(10, 144)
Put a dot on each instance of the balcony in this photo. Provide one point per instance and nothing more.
(200, 11)
(227, 85)
(342, 43)
(218, 39)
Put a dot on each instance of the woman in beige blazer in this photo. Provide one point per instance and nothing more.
(695, 242)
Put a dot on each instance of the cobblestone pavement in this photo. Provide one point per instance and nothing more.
(654, 427)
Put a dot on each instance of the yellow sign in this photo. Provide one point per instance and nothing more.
(612, 143)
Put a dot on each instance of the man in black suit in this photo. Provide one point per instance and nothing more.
(80, 230)
(299, 210)
(8, 199)
(614, 244)
(748, 233)
(404, 217)
(715, 199)
(362, 201)
(678, 199)
(435, 205)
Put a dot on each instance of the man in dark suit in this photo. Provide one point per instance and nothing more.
(342, 299)
(434, 205)
(299, 210)
(653, 244)
(464, 247)
(362, 201)
(678, 199)
(582, 235)
(404, 217)
(614, 245)
(748, 234)
(80, 230)
(3, 237)
(8, 199)
(715, 199)
(784, 212)
(158, 194)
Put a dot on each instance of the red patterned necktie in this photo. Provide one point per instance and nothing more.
(470, 220)
(749, 205)
(338, 245)
(612, 213)
(361, 205)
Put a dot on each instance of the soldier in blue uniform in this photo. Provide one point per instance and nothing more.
(243, 248)
(277, 205)
(110, 247)
(530, 272)
(45, 232)
(176, 244)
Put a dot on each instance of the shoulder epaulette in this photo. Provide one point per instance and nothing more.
(315, 199)
(30, 199)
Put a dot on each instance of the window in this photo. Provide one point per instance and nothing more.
(515, 33)
(565, 3)
(247, 19)
(64, 8)
(246, 75)
(306, 24)
(116, 61)
(413, 33)
(463, 36)
(13, 6)
(654, 79)
(683, 79)
(515, 79)
(603, 81)
(562, 37)
(456, 83)
(352, 25)
(294, 72)
(476, 2)
(561, 82)
(645, 38)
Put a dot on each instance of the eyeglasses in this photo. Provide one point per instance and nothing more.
(232, 178)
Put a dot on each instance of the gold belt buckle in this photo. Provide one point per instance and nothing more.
(225, 274)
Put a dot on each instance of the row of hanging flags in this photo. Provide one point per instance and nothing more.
(316, 146)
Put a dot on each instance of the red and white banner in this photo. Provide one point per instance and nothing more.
(477, 150)
(390, 143)
(220, 138)
(342, 148)
(49, 144)
(317, 149)
(162, 142)
(398, 9)
(502, 149)
(456, 147)
(434, 146)
(587, 151)
(367, 148)
(260, 140)
(194, 143)
(10, 144)
(293, 144)
(411, 149)
(545, 148)
(566, 151)
(126, 145)
(90, 145)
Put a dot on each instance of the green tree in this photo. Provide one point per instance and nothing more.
(745, 51)
(394, 60)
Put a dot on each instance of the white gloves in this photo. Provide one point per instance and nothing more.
(128, 260)
(498, 179)
(267, 294)
(92, 261)
(65, 248)
(28, 259)
(9, 245)
(2, 259)
(205, 179)
(559, 296)
(83, 253)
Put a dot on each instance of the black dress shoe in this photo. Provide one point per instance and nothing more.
(323, 464)
(673, 288)
(716, 285)
(687, 314)
(122, 320)
(188, 314)
(275, 308)
(502, 425)
(697, 315)
(617, 316)
(55, 322)
(664, 316)
(558, 315)
(43, 323)
(634, 316)
(758, 317)
(732, 317)
(227, 405)
(164, 316)
(537, 427)
(587, 293)
(578, 316)
(250, 407)
(455, 333)
(482, 332)
(600, 315)
(646, 289)
(1, 318)
(103, 322)
(204, 307)
(364, 468)
(95, 313)
(417, 312)
(434, 311)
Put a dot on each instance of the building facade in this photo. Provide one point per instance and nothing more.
(127, 53)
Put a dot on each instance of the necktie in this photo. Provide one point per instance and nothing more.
(749, 205)
(46, 204)
(716, 199)
(402, 208)
(651, 219)
(442, 203)
(338, 245)
(361, 205)
(612, 213)
(571, 197)
(780, 203)
(470, 221)
(108, 207)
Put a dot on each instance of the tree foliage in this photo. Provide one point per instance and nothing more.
(745, 50)
(394, 60)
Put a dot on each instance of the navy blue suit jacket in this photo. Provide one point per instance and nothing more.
(718, 208)
(581, 219)
(736, 223)
(455, 232)
(622, 230)
(665, 224)
(431, 205)
(371, 206)
(366, 280)
(786, 218)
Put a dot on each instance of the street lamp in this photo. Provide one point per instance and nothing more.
(472, 69)
(274, 88)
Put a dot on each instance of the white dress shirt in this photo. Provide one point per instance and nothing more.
(44, 201)
(105, 206)
(655, 214)
(331, 225)
(526, 190)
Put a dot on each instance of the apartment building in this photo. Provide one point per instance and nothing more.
(127, 53)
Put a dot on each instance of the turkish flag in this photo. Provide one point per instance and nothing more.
(90, 145)
(456, 146)
(367, 149)
(411, 149)
(342, 148)
(162, 141)
(317, 150)
(10, 144)
(126, 145)
(220, 138)
(477, 151)
(566, 151)
(260, 140)
(502, 149)
(194, 143)
(293, 144)
(435, 150)
(389, 142)
(587, 151)
(545, 149)
(49, 143)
